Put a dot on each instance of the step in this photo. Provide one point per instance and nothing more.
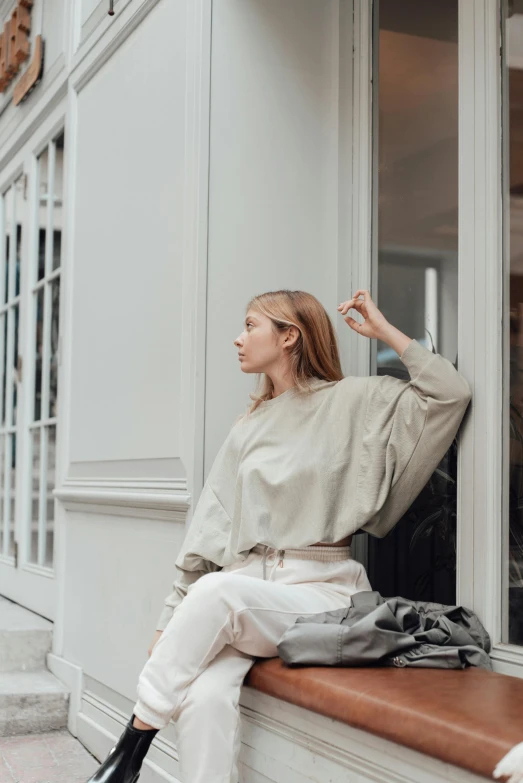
(31, 702)
(25, 638)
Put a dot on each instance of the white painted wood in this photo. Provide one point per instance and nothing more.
(30, 584)
(480, 312)
(53, 20)
(273, 194)
(163, 500)
(125, 379)
(195, 238)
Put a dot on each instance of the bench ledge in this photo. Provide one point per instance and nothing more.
(467, 717)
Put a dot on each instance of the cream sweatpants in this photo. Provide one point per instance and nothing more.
(196, 669)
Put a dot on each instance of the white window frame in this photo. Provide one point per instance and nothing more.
(12, 300)
(483, 297)
(29, 584)
(35, 285)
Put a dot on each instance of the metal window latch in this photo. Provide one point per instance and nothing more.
(111, 8)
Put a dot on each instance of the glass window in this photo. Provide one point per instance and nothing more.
(46, 273)
(513, 112)
(13, 218)
(416, 258)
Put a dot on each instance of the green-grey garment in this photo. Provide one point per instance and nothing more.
(388, 632)
(319, 465)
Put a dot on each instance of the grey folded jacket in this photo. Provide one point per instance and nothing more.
(388, 632)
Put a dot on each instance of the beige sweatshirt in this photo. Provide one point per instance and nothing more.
(317, 466)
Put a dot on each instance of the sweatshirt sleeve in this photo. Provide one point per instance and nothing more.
(408, 428)
(207, 536)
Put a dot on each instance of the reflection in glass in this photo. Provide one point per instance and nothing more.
(43, 181)
(35, 493)
(55, 324)
(50, 485)
(15, 317)
(58, 201)
(12, 491)
(2, 494)
(3, 354)
(8, 218)
(19, 217)
(38, 353)
(514, 257)
(416, 247)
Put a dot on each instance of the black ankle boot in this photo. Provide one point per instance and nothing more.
(124, 761)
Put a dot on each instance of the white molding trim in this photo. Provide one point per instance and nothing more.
(113, 34)
(481, 311)
(99, 725)
(72, 677)
(45, 107)
(361, 261)
(195, 239)
(507, 659)
(162, 499)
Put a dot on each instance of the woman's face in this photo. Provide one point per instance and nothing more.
(259, 348)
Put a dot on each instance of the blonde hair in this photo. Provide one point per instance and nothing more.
(315, 354)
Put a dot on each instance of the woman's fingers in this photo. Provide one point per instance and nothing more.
(353, 323)
(345, 306)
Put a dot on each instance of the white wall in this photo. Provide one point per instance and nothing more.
(127, 248)
(125, 347)
(273, 176)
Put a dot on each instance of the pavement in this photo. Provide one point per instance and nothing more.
(52, 757)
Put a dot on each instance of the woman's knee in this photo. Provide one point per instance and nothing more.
(213, 586)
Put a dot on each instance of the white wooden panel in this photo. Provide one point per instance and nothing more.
(53, 30)
(118, 572)
(127, 248)
(273, 175)
(87, 8)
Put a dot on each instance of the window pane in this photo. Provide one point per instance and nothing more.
(8, 223)
(416, 251)
(15, 316)
(2, 493)
(55, 325)
(58, 201)
(39, 304)
(43, 177)
(35, 493)
(51, 483)
(19, 216)
(513, 99)
(12, 492)
(3, 355)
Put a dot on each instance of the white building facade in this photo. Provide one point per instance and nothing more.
(159, 167)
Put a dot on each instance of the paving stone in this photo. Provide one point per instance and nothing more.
(52, 757)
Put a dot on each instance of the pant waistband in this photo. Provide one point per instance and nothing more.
(325, 554)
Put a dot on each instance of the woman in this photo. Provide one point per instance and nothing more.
(315, 458)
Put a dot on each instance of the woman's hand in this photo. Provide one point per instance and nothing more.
(374, 325)
(155, 639)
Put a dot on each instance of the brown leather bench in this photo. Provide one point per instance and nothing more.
(467, 717)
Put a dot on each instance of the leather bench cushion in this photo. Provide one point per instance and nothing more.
(467, 717)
